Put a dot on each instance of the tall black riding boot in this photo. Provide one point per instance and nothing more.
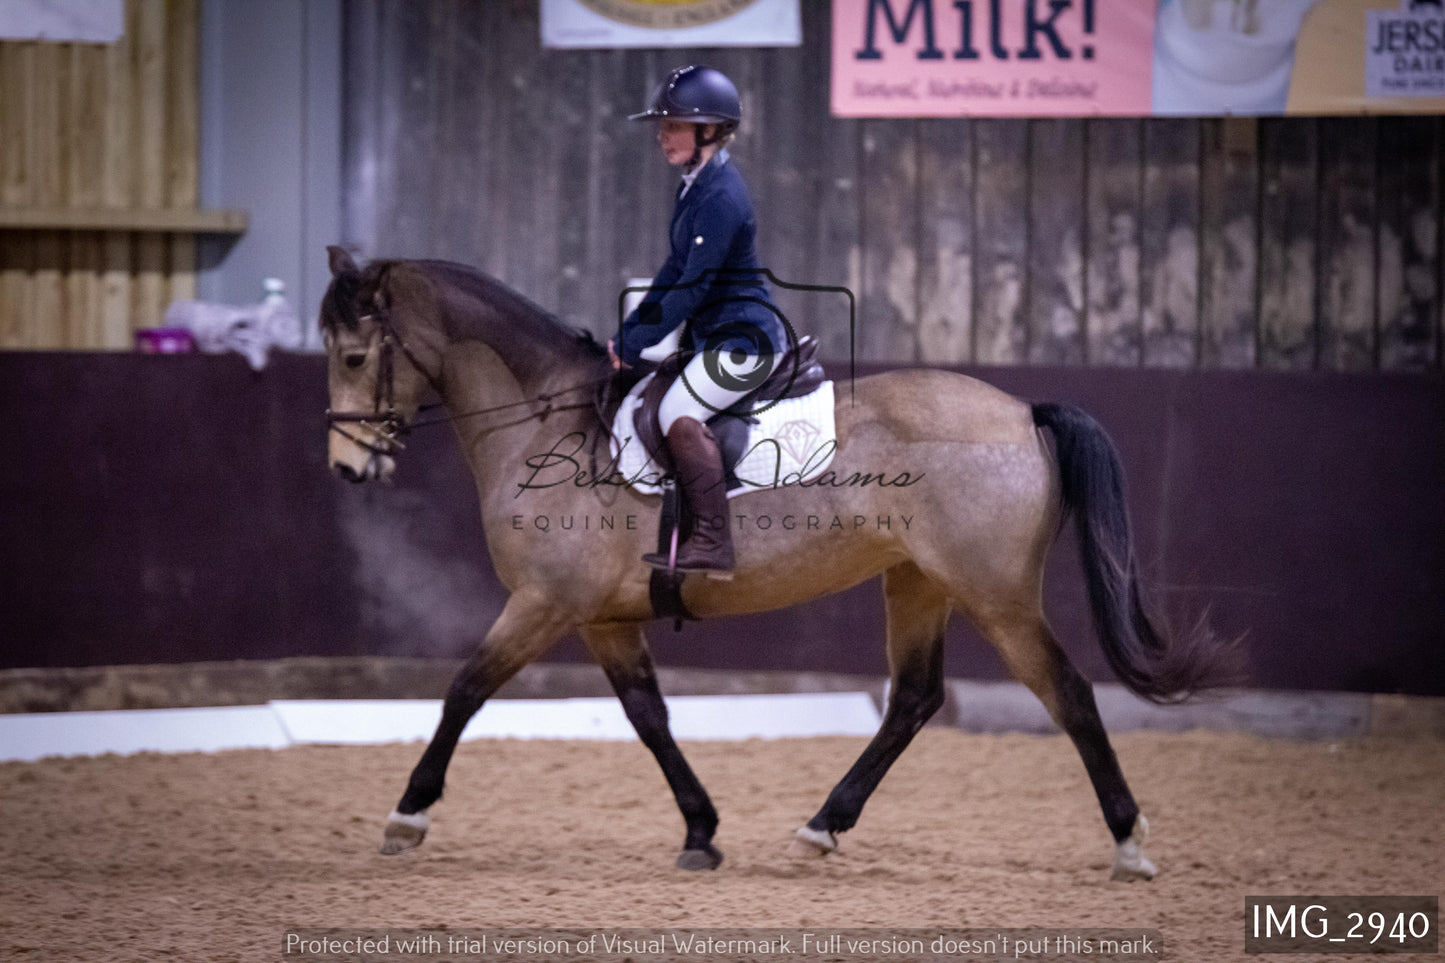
(700, 478)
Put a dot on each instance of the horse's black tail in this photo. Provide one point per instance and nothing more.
(1155, 664)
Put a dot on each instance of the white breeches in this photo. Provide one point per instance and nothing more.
(695, 395)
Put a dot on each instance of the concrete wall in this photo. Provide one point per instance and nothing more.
(271, 145)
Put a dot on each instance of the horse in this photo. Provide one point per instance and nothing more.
(971, 466)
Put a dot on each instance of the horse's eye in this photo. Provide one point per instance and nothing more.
(355, 360)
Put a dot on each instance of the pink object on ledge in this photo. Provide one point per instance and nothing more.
(164, 341)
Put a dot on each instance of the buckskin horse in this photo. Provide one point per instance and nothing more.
(985, 479)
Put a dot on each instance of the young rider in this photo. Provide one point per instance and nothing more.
(711, 283)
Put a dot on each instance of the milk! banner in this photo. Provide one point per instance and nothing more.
(1082, 58)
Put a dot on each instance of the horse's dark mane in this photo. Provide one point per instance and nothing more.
(346, 289)
(489, 290)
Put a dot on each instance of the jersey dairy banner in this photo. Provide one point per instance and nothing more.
(671, 23)
(1081, 58)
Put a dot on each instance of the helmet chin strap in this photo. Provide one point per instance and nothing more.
(699, 141)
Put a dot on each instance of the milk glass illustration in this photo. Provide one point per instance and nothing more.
(1225, 56)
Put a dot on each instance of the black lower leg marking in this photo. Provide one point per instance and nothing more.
(916, 694)
(642, 701)
(471, 688)
(1079, 718)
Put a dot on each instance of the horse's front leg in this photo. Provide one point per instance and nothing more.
(527, 627)
(621, 650)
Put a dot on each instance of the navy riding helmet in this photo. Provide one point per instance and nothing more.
(696, 95)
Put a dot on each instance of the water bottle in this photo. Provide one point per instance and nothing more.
(279, 324)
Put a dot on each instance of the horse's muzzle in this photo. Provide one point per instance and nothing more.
(376, 467)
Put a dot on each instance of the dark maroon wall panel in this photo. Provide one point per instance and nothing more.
(168, 509)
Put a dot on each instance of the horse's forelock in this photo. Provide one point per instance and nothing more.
(340, 306)
(342, 301)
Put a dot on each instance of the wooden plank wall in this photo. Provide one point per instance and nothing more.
(1280, 243)
(98, 125)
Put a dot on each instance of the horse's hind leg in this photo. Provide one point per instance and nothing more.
(527, 627)
(1033, 655)
(917, 611)
(621, 650)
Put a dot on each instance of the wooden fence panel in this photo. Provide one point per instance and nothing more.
(1278, 242)
(1234, 242)
(85, 127)
(945, 241)
(1002, 241)
(116, 258)
(1288, 226)
(148, 158)
(17, 249)
(781, 181)
(1409, 242)
(51, 73)
(1114, 243)
(1229, 233)
(182, 138)
(601, 278)
(643, 191)
(434, 44)
(572, 127)
(828, 206)
(888, 299)
(1171, 286)
(1347, 255)
(1057, 212)
(87, 99)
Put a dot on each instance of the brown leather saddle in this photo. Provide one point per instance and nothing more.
(797, 373)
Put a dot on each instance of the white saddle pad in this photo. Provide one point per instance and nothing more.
(793, 441)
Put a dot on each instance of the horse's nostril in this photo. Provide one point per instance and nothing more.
(349, 473)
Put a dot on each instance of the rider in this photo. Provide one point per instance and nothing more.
(711, 282)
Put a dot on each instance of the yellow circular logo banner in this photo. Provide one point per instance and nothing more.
(666, 14)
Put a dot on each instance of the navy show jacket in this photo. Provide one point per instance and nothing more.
(711, 277)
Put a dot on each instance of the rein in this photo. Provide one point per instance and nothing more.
(387, 424)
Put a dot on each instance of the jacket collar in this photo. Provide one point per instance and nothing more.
(703, 173)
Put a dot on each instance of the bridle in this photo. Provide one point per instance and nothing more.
(387, 425)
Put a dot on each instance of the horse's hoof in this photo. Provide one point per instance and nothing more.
(404, 832)
(811, 843)
(1130, 863)
(696, 859)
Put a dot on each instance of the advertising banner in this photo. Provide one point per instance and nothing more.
(671, 23)
(62, 21)
(1082, 58)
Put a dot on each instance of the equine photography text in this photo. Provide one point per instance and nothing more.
(741, 523)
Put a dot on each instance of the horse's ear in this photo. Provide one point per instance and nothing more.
(341, 261)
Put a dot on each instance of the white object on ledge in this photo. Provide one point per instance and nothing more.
(252, 330)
